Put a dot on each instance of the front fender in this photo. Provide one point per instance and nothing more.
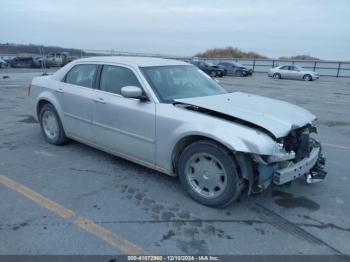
(174, 124)
(235, 137)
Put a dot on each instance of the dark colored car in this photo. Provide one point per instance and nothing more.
(210, 69)
(21, 62)
(236, 69)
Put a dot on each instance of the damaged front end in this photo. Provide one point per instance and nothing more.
(297, 154)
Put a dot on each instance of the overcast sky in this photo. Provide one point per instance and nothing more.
(273, 28)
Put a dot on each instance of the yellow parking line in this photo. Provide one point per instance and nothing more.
(37, 198)
(336, 146)
(113, 240)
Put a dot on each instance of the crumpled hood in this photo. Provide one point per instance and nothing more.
(278, 117)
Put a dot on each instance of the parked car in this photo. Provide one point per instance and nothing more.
(171, 117)
(292, 72)
(3, 63)
(209, 68)
(236, 69)
(52, 60)
(21, 62)
(218, 67)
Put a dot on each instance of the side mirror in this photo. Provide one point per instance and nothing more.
(131, 92)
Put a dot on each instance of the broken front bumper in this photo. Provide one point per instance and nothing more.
(311, 166)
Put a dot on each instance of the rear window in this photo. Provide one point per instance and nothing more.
(82, 75)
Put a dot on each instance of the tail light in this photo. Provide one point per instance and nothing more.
(29, 88)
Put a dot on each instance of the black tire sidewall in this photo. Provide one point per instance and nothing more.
(307, 77)
(61, 137)
(277, 76)
(231, 191)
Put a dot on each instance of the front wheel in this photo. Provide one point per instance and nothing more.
(51, 125)
(213, 74)
(307, 78)
(209, 174)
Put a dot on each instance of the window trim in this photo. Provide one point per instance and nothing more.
(98, 83)
(94, 79)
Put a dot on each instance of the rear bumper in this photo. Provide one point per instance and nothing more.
(312, 167)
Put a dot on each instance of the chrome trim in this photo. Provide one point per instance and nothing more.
(77, 117)
(152, 141)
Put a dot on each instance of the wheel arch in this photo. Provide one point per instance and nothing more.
(243, 160)
(307, 74)
(48, 98)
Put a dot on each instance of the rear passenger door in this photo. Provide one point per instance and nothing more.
(75, 96)
(125, 126)
(294, 72)
(284, 71)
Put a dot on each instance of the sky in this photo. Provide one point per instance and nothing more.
(272, 28)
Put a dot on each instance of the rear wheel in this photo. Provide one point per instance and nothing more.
(51, 125)
(209, 174)
(213, 74)
(307, 77)
(277, 76)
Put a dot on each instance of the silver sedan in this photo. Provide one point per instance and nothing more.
(170, 116)
(292, 72)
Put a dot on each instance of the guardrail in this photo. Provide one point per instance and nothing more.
(323, 67)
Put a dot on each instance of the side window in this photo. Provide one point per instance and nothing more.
(284, 67)
(82, 75)
(113, 78)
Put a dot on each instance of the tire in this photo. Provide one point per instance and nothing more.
(51, 126)
(307, 77)
(220, 74)
(277, 76)
(213, 74)
(197, 177)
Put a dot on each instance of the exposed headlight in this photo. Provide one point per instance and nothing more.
(278, 155)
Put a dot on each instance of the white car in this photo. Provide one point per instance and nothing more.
(292, 72)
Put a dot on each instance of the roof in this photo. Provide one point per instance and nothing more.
(133, 60)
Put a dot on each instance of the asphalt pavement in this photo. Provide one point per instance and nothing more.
(74, 199)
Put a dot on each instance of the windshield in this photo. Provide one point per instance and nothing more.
(239, 65)
(176, 82)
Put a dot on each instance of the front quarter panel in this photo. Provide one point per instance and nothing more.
(174, 124)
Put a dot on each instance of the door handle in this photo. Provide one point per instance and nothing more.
(100, 100)
(59, 90)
